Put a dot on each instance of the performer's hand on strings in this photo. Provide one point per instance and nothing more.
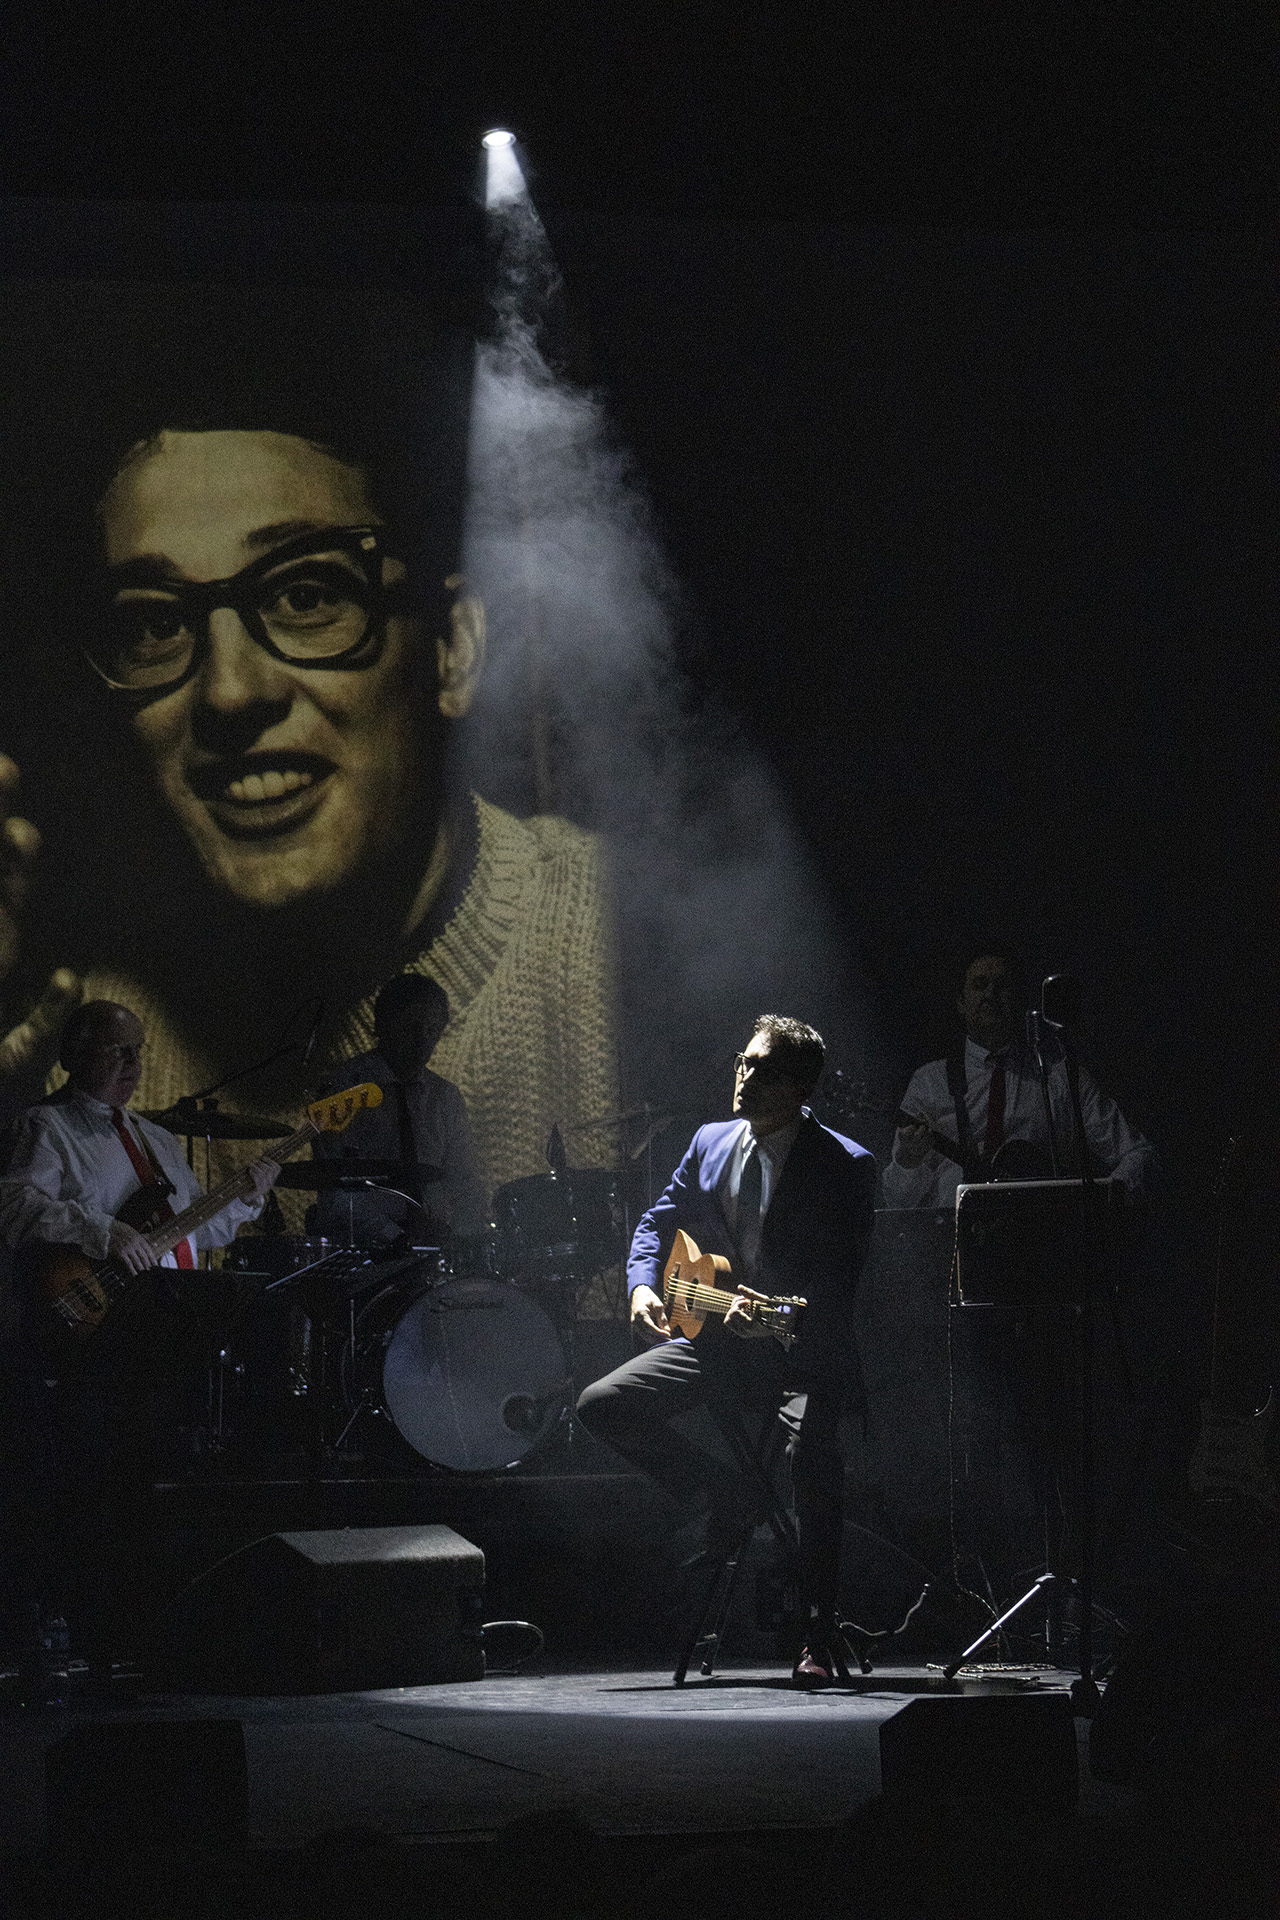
(738, 1318)
(649, 1316)
(911, 1144)
(130, 1248)
(19, 845)
(264, 1173)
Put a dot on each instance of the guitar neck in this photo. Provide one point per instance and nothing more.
(165, 1237)
(940, 1142)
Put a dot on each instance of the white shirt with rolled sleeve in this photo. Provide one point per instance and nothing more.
(1119, 1152)
(67, 1174)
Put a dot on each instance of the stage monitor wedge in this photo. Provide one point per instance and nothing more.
(346, 1610)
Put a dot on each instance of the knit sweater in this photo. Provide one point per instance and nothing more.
(527, 964)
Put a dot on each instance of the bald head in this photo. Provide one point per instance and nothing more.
(101, 1050)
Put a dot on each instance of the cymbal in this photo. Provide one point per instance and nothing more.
(315, 1175)
(211, 1123)
(621, 1119)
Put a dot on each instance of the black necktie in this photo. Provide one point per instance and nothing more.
(750, 1193)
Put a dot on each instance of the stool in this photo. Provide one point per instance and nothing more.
(757, 1462)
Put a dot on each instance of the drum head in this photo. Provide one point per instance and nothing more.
(474, 1375)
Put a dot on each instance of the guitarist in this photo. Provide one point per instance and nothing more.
(790, 1204)
(986, 1096)
(88, 1449)
(78, 1156)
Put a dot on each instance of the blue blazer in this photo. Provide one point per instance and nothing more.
(813, 1239)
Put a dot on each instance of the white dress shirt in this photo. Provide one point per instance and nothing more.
(68, 1174)
(1118, 1150)
(773, 1149)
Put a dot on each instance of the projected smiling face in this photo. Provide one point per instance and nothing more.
(287, 779)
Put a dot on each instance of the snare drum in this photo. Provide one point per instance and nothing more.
(470, 1373)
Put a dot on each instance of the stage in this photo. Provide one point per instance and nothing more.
(588, 1793)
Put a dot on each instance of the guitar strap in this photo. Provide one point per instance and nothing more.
(958, 1085)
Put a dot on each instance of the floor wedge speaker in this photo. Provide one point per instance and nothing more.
(1006, 1752)
(339, 1611)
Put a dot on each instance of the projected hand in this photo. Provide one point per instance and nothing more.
(649, 1317)
(19, 845)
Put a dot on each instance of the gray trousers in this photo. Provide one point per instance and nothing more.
(630, 1410)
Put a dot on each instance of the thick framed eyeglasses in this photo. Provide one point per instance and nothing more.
(316, 601)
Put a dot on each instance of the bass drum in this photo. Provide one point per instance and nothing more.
(470, 1373)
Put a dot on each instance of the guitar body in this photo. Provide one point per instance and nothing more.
(699, 1286)
(70, 1295)
(686, 1270)
(1019, 1160)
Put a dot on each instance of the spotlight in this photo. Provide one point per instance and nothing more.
(498, 137)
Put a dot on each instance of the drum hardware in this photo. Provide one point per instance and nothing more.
(207, 1122)
(558, 1227)
(315, 1176)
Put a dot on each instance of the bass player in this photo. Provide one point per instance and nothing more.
(89, 1437)
(789, 1203)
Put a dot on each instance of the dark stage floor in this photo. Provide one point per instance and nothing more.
(628, 1751)
(575, 1794)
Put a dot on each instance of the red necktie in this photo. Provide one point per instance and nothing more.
(147, 1178)
(995, 1112)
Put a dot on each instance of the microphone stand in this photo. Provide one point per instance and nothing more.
(1035, 1040)
(1060, 1008)
(1085, 1697)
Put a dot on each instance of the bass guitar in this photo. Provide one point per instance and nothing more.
(696, 1285)
(72, 1294)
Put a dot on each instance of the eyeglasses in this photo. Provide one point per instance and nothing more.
(764, 1065)
(317, 601)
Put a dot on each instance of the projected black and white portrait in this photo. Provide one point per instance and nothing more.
(251, 645)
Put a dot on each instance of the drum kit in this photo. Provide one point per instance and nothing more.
(461, 1350)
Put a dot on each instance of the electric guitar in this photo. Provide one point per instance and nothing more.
(1012, 1159)
(72, 1294)
(698, 1284)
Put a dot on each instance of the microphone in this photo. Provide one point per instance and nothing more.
(1062, 1001)
(314, 1035)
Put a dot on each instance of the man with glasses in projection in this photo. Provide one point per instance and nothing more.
(284, 654)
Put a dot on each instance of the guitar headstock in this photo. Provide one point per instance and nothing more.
(336, 1111)
(781, 1314)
